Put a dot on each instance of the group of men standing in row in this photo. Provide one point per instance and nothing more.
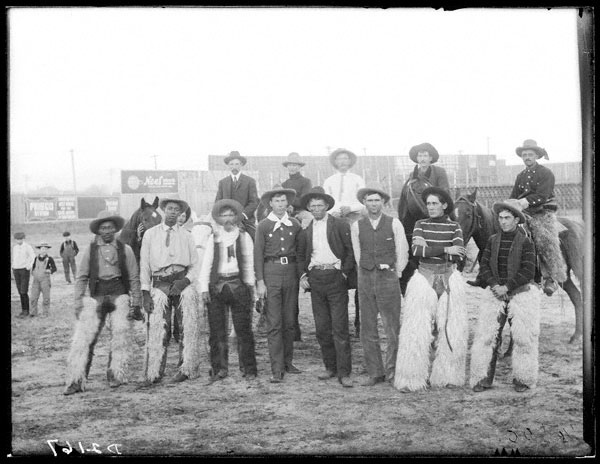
(327, 240)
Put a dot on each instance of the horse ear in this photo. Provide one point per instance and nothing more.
(155, 202)
(143, 203)
(471, 196)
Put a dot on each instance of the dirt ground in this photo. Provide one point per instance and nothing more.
(301, 416)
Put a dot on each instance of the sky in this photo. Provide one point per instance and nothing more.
(139, 88)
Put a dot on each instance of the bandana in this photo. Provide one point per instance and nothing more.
(285, 220)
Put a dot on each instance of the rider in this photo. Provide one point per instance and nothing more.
(534, 189)
(424, 175)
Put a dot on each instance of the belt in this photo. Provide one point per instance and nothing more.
(280, 259)
(110, 280)
(229, 276)
(170, 277)
(322, 267)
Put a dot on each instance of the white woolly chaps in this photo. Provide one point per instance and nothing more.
(190, 306)
(155, 349)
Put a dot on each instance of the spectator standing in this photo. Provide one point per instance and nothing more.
(22, 260)
(43, 267)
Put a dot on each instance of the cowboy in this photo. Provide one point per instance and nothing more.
(507, 269)
(434, 304)
(168, 264)
(381, 252)
(325, 262)
(300, 184)
(22, 260)
(227, 284)
(43, 267)
(277, 278)
(241, 188)
(425, 174)
(68, 251)
(343, 187)
(534, 188)
(109, 268)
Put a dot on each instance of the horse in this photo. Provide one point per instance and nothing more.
(479, 222)
(146, 215)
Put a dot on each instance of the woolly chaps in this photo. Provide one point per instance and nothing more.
(524, 315)
(545, 228)
(86, 333)
(422, 311)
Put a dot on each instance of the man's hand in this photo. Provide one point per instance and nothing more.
(140, 231)
(206, 297)
(179, 285)
(261, 289)
(304, 285)
(457, 251)
(135, 314)
(147, 301)
(500, 292)
(344, 210)
(419, 241)
(524, 203)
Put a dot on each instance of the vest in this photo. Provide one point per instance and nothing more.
(376, 246)
(214, 276)
(94, 266)
(514, 254)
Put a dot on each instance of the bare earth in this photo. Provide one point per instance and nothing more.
(300, 416)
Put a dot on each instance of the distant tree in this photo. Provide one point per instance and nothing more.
(47, 190)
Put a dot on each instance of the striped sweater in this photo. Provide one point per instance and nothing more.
(438, 233)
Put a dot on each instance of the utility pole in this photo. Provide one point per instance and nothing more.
(155, 166)
(73, 170)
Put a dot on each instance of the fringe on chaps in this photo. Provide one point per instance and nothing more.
(545, 228)
(423, 309)
(156, 347)
(86, 333)
(524, 314)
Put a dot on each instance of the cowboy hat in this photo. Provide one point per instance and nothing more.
(227, 203)
(369, 190)
(289, 193)
(235, 155)
(414, 151)
(293, 158)
(316, 192)
(183, 206)
(512, 205)
(66, 234)
(43, 244)
(19, 235)
(445, 197)
(530, 144)
(339, 151)
(106, 216)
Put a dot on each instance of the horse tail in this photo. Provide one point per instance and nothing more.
(571, 244)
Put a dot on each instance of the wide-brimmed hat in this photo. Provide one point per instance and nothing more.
(414, 151)
(19, 235)
(512, 205)
(289, 193)
(530, 144)
(360, 195)
(43, 244)
(446, 198)
(339, 151)
(235, 155)
(293, 158)
(316, 192)
(105, 216)
(66, 234)
(183, 206)
(227, 203)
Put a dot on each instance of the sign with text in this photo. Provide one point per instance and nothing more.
(66, 208)
(149, 182)
(89, 207)
(41, 208)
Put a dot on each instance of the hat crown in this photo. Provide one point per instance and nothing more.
(104, 214)
(234, 153)
(529, 143)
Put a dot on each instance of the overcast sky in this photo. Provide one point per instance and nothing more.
(120, 85)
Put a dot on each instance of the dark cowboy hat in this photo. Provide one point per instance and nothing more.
(235, 155)
(227, 203)
(19, 235)
(183, 206)
(530, 144)
(339, 151)
(316, 192)
(445, 197)
(43, 244)
(512, 205)
(66, 234)
(105, 216)
(414, 151)
(267, 196)
(369, 190)
(293, 158)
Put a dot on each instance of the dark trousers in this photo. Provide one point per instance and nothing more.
(282, 284)
(238, 301)
(22, 283)
(329, 297)
(69, 266)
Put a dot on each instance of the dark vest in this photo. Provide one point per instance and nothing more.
(376, 246)
(214, 276)
(514, 254)
(94, 266)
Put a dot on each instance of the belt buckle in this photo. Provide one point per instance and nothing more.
(283, 259)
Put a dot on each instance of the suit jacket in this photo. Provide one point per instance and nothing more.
(338, 237)
(245, 193)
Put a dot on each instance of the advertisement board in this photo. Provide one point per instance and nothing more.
(41, 209)
(157, 182)
(66, 208)
(89, 207)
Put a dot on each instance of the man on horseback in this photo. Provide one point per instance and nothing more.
(534, 189)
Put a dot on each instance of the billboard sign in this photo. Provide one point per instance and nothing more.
(156, 182)
(41, 209)
(66, 208)
(89, 207)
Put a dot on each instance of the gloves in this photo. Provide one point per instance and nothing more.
(135, 314)
(147, 301)
(179, 285)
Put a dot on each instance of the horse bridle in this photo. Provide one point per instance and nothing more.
(477, 220)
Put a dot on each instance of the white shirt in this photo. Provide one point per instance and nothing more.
(400, 242)
(321, 252)
(235, 178)
(343, 188)
(23, 256)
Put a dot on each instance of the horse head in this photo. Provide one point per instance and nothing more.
(415, 204)
(465, 209)
(148, 216)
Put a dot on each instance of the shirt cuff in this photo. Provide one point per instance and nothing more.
(145, 287)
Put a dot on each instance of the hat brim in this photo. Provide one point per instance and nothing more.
(305, 199)
(414, 151)
(299, 163)
(360, 195)
(446, 198)
(182, 204)
(541, 153)
(227, 203)
(500, 206)
(289, 193)
(335, 153)
(240, 157)
(45, 245)
(118, 221)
